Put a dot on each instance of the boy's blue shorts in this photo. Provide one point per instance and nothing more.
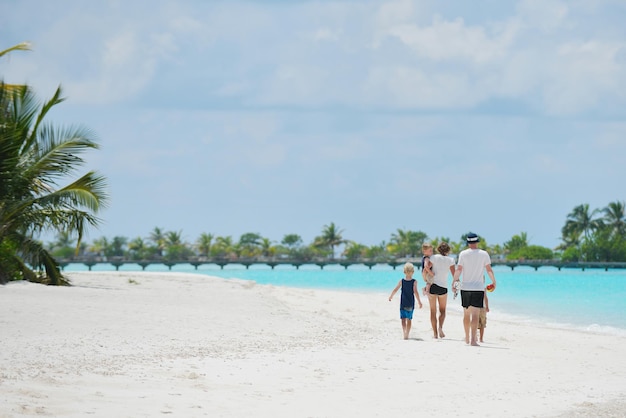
(406, 313)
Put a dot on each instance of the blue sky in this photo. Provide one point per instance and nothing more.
(280, 117)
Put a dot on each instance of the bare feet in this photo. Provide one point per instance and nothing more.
(475, 344)
(442, 335)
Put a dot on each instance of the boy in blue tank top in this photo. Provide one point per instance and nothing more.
(407, 298)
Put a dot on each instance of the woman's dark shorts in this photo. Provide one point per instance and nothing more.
(438, 290)
(472, 298)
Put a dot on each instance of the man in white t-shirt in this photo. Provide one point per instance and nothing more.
(471, 266)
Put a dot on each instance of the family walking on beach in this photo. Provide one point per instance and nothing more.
(467, 275)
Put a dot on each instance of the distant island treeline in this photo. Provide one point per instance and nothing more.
(588, 236)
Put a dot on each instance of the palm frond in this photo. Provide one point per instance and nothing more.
(22, 46)
(56, 99)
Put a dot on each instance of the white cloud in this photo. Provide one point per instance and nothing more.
(542, 55)
(126, 65)
(393, 13)
(406, 87)
(325, 34)
(546, 15)
(582, 76)
(453, 40)
(298, 85)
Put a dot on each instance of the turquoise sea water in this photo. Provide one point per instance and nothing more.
(592, 300)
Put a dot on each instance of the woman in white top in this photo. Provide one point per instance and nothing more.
(442, 264)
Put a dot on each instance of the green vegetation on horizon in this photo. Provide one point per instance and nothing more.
(586, 236)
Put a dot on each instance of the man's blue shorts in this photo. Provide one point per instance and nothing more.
(406, 313)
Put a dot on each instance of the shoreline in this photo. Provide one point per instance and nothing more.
(525, 296)
(147, 343)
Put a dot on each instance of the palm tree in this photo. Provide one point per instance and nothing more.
(137, 249)
(100, 246)
(64, 246)
(223, 246)
(331, 237)
(292, 241)
(204, 244)
(400, 242)
(157, 236)
(376, 252)
(175, 247)
(249, 244)
(354, 251)
(580, 221)
(173, 238)
(267, 249)
(456, 246)
(117, 246)
(407, 243)
(569, 241)
(615, 217)
(516, 242)
(34, 157)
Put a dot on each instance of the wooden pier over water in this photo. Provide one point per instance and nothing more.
(118, 262)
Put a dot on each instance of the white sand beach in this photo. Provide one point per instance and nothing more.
(120, 344)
